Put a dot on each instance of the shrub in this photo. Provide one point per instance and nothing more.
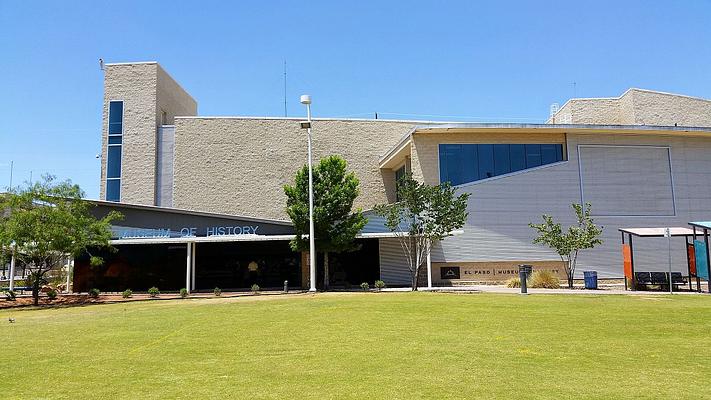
(379, 284)
(217, 291)
(183, 293)
(255, 288)
(94, 293)
(514, 282)
(52, 294)
(10, 295)
(543, 279)
(128, 293)
(364, 286)
(153, 292)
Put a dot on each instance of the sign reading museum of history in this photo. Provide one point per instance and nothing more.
(139, 233)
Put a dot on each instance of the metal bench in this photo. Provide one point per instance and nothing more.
(659, 279)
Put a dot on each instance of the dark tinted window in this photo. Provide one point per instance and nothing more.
(533, 155)
(113, 162)
(115, 139)
(113, 190)
(502, 161)
(115, 117)
(462, 163)
(518, 157)
(486, 161)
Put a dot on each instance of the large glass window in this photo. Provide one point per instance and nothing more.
(113, 152)
(462, 163)
(115, 117)
(399, 176)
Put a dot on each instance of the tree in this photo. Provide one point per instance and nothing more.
(336, 223)
(584, 235)
(423, 216)
(47, 222)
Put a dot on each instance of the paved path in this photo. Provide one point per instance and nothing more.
(504, 289)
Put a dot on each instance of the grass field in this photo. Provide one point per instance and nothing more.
(386, 345)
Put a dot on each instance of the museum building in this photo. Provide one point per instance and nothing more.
(204, 204)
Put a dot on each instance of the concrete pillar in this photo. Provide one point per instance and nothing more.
(429, 268)
(12, 270)
(70, 267)
(188, 265)
(192, 271)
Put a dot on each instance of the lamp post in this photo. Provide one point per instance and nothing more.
(306, 100)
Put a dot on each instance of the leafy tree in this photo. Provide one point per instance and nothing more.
(46, 222)
(423, 216)
(584, 235)
(336, 224)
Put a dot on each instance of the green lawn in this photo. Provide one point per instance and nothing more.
(394, 346)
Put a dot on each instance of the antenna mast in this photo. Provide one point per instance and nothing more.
(285, 113)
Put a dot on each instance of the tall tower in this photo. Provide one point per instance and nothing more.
(139, 98)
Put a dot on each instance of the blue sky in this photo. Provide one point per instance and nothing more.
(476, 61)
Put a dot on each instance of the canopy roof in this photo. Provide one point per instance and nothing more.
(701, 224)
(657, 232)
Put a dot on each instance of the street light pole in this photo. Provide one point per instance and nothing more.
(306, 99)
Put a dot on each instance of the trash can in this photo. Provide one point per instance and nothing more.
(590, 279)
(524, 271)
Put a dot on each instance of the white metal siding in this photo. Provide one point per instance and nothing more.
(393, 263)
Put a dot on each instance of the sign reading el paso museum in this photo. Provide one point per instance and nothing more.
(120, 232)
(490, 271)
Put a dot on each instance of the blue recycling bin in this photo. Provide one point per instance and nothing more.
(590, 279)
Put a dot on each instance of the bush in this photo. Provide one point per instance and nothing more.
(183, 293)
(514, 282)
(128, 293)
(255, 288)
(94, 293)
(364, 286)
(217, 291)
(379, 284)
(543, 279)
(10, 295)
(153, 292)
(52, 294)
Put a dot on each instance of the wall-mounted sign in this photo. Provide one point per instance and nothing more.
(140, 233)
(449, 273)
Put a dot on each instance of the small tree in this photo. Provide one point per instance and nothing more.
(584, 235)
(336, 223)
(423, 216)
(47, 222)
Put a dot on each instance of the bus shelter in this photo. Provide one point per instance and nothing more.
(628, 252)
(701, 250)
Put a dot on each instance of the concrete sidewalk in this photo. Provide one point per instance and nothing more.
(504, 289)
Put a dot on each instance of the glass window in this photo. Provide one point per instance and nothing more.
(470, 163)
(462, 163)
(533, 155)
(502, 161)
(549, 153)
(113, 162)
(113, 190)
(486, 161)
(399, 176)
(115, 117)
(115, 140)
(518, 157)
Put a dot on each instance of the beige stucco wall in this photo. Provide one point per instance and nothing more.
(240, 165)
(637, 107)
(145, 90)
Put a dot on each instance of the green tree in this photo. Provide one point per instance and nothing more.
(423, 216)
(48, 221)
(583, 235)
(336, 223)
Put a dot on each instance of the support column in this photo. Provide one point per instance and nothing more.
(12, 270)
(188, 265)
(429, 268)
(192, 271)
(70, 267)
